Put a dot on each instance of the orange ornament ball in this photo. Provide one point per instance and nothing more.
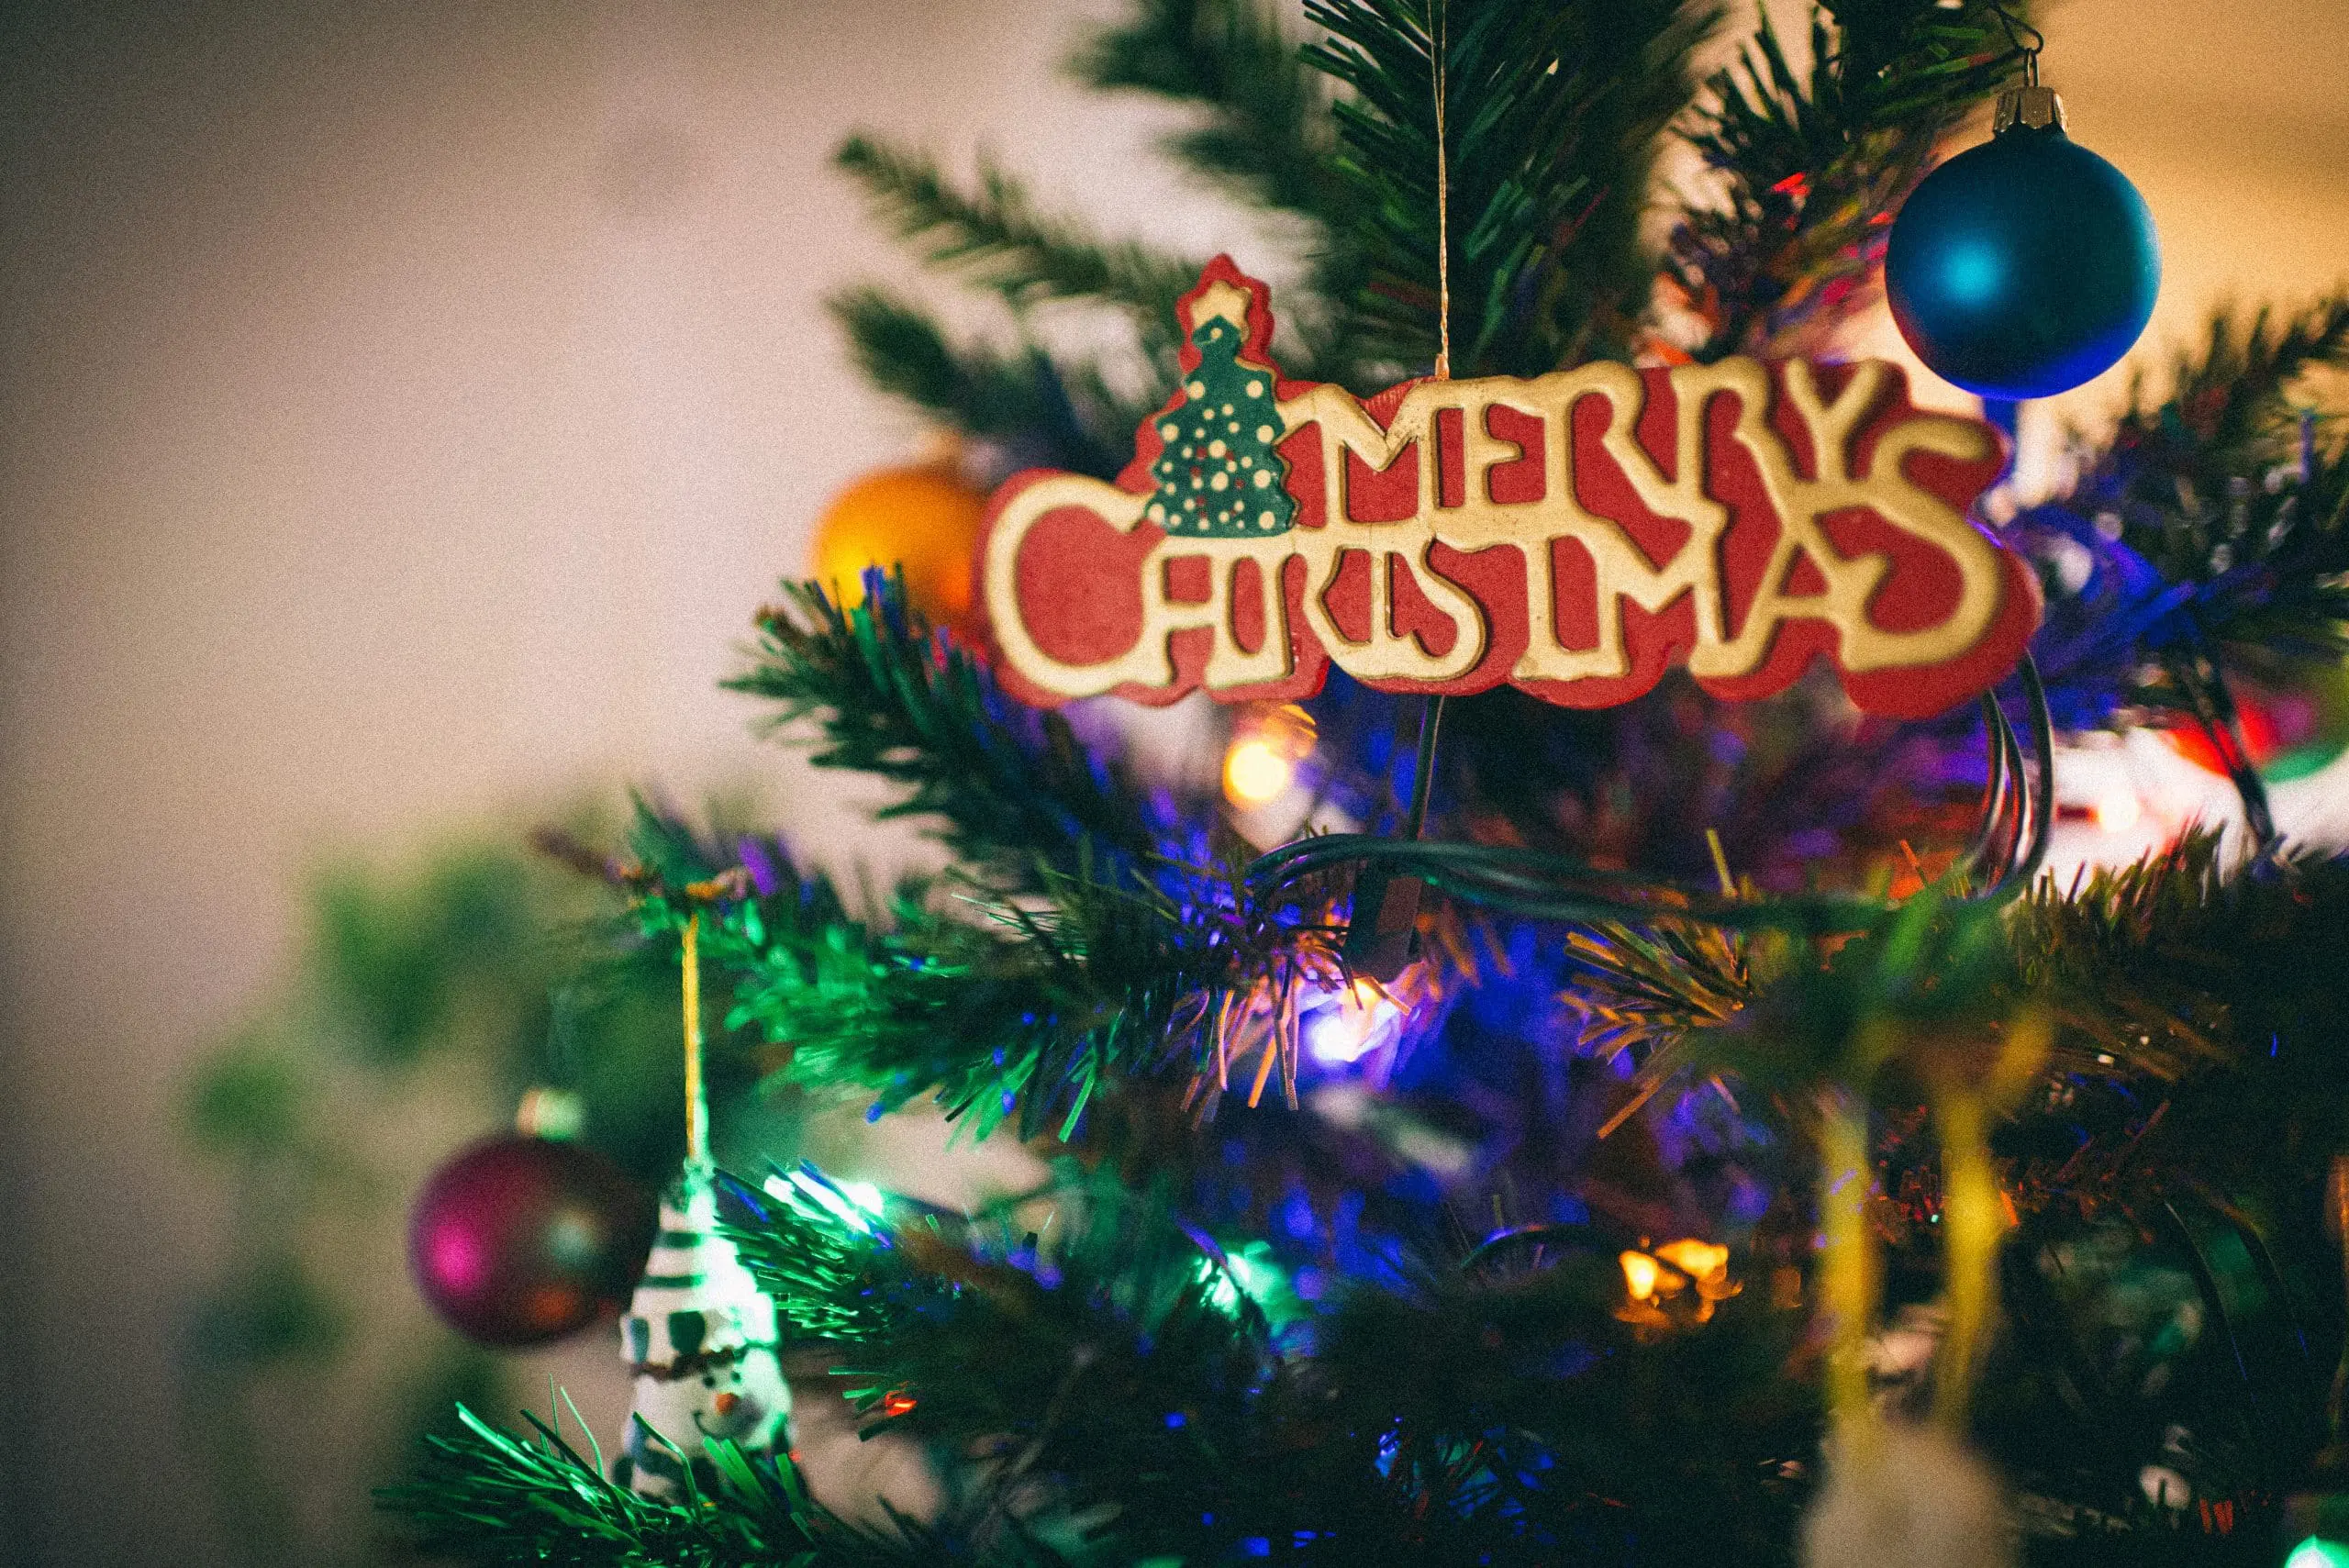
(925, 519)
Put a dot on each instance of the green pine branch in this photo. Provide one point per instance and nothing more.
(1049, 1374)
(2236, 482)
(1026, 1017)
(1051, 1352)
(996, 236)
(1514, 1406)
(1551, 118)
(925, 998)
(2185, 974)
(486, 1497)
(1119, 1390)
(835, 1273)
(1104, 1363)
(1810, 165)
(1009, 792)
(1023, 401)
(2229, 410)
(1263, 134)
(1070, 959)
(2211, 483)
(2212, 990)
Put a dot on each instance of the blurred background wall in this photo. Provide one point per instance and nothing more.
(402, 408)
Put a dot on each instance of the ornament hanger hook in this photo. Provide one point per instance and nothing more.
(2015, 27)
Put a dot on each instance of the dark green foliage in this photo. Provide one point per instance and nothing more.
(1911, 999)
(1037, 1013)
(1555, 116)
(2209, 485)
(1521, 1410)
(2171, 1272)
(835, 1274)
(2229, 410)
(2175, 1270)
(1119, 1396)
(1552, 113)
(992, 1003)
(2219, 991)
(1934, 967)
(1813, 164)
(2214, 520)
(1435, 1416)
(1090, 1346)
(1066, 956)
(2166, 973)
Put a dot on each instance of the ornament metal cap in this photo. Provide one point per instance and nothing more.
(2033, 108)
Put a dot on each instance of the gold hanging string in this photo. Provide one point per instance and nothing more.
(1383, 931)
(1439, 57)
(696, 1102)
(1437, 48)
(1975, 1214)
(1850, 1274)
(1972, 1228)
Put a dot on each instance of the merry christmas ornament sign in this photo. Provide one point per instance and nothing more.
(1573, 534)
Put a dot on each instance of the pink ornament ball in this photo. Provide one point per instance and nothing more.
(520, 1241)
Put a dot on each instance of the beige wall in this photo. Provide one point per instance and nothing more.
(405, 407)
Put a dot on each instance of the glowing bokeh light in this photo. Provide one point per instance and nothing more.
(1256, 772)
(2119, 811)
(1356, 1022)
(851, 1203)
(1697, 1260)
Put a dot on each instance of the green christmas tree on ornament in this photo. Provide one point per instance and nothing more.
(1218, 476)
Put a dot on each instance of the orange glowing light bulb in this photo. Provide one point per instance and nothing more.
(1256, 772)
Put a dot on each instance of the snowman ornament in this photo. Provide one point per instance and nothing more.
(700, 1340)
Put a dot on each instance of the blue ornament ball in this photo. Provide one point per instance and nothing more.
(2022, 267)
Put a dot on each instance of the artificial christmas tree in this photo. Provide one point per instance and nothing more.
(1736, 1150)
